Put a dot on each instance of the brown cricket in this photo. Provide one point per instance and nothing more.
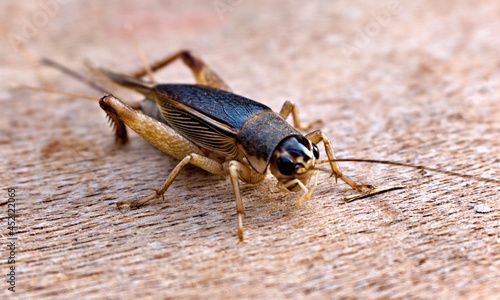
(207, 125)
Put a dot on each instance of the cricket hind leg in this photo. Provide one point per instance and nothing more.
(119, 127)
(202, 73)
(173, 144)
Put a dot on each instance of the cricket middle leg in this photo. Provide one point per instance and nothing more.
(238, 170)
(202, 162)
(289, 108)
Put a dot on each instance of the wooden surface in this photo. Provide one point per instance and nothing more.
(422, 86)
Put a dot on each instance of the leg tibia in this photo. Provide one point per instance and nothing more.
(203, 74)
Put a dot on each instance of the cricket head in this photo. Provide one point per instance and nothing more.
(293, 160)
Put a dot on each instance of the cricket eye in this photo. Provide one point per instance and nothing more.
(285, 165)
(315, 151)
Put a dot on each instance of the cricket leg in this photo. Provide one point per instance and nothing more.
(168, 141)
(236, 170)
(202, 73)
(318, 136)
(202, 162)
(245, 173)
(307, 192)
(158, 134)
(290, 108)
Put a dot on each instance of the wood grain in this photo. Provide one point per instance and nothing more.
(419, 87)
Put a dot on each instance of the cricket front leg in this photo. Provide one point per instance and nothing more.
(238, 170)
(306, 192)
(318, 136)
(202, 73)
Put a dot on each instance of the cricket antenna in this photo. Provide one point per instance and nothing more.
(407, 165)
(65, 70)
(53, 91)
(141, 54)
(117, 124)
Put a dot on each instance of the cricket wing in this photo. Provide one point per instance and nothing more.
(216, 105)
(208, 117)
(200, 132)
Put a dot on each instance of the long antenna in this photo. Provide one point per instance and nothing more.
(141, 54)
(55, 91)
(418, 167)
(53, 64)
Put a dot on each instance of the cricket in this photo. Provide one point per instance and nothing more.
(208, 126)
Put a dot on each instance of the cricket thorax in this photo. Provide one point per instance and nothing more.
(259, 137)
